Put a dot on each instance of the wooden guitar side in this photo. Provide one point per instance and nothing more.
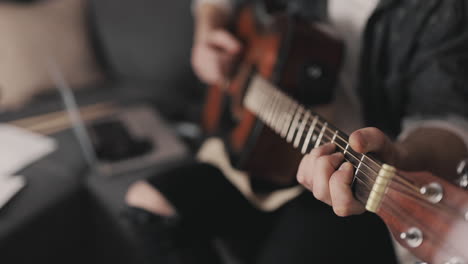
(277, 52)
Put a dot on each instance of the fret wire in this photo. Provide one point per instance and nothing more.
(376, 163)
(345, 141)
(334, 136)
(281, 116)
(289, 116)
(352, 158)
(316, 120)
(352, 162)
(277, 112)
(324, 128)
(292, 128)
(346, 149)
(399, 179)
(317, 143)
(267, 91)
(368, 169)
(300, 131)
(271, 112)
(268, 110)
(305, 145)
(360, 161)
(270, 105)
(263, 104)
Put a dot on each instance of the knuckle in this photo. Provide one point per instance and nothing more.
(319, 194)
(314, 153)
(347, 204)
(300, 178)
(308, 182)
(334, 179)
(324, 161)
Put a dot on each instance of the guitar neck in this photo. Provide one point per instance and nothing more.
(404, 202)
(306, 130)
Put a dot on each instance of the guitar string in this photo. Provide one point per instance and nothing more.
(411, 187)
(427, 230)
(408, 192)
(303, 111)
(309, 121)
(428, 204)
(415, 194)
(373, 180)
(273, 104)
(412, 192)
(403, 180)
(389, 202)
(299, 108)
(369, 177)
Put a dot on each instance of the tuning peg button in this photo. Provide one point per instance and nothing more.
(462, 171)
(413, 237)
(433, 191)
(455, 260)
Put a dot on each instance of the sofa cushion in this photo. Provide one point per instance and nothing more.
(32, 35)
(145, 39)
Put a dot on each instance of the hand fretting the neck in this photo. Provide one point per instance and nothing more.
(307, 130)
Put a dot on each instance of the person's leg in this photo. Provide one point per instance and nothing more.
(165, 234)
(181, 209)
(307, 231)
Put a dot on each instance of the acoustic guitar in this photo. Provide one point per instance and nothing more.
(425, 213)
(301, 59)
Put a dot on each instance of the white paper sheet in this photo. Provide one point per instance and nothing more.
(19, 148)
(9, 186)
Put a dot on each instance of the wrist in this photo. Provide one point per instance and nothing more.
(209, 17)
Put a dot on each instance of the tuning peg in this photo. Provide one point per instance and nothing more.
(413, 237)
(462, 171)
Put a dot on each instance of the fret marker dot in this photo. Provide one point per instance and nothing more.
(314, 137)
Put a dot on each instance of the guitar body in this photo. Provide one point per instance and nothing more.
(294, 55)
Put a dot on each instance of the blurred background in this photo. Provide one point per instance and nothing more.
(127, 64)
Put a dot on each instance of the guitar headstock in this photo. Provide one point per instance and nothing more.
(428, 215)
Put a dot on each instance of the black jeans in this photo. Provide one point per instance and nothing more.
(304, 230)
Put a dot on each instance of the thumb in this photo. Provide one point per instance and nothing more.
(371, 139)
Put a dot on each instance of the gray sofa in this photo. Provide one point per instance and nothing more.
(67, 213)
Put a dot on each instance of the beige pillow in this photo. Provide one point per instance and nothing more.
(33, 34)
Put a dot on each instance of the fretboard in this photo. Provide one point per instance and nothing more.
(303, 128)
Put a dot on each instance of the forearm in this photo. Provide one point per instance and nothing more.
(432, 149)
